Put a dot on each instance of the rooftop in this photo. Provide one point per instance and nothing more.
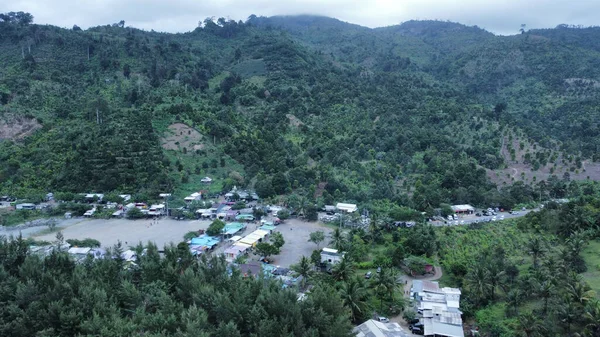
(205, 240)
(462, 208)
(232, 228)
(373, 328)
(346, 207)
(433, 326)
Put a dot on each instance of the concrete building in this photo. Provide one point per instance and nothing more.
(439, 307)
(332, 256)
(463, 209)
(196, 196)
(348, 208)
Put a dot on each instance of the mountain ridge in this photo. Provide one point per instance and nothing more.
(414, 117)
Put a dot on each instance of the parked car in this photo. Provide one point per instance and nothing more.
(494, 218)
(383, 319)
(417, 330)
(368, 275)
(379, 269)
(502, 217)
(477, 214)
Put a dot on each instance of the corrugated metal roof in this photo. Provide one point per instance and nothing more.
(373, 328)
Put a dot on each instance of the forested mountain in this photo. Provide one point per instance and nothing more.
(420, 114)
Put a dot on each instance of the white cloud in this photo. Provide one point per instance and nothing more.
(499, 16)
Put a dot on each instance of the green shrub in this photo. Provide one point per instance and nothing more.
(87, 242)
(364, 265)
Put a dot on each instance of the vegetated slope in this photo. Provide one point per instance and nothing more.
(394, 113)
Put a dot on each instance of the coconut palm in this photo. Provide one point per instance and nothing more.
(536, 247)
(580, 293)
(545, 290)
(303, 268)
(343, 270)
(530, 326)
(592, 318)
(338, 239)
(478, 282)
(567, 314)
(354, 296)
(514, 298)
(385, 284)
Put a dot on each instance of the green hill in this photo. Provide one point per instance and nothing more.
(415, 113)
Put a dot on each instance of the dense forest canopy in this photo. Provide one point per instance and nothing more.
(419, 114)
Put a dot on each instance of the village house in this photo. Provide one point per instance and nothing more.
(196, 196)
(347, 208)
(331, 256)
(439, 307)
(463, 209)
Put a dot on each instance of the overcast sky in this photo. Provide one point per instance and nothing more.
(497, 16)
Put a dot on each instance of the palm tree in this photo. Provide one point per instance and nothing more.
(303, 268)
(567, 314)
(535, 246)
(338, 240)
(478, 281)
(580, 293)
(545, 291)
(592, 317)
(354, 296)
(385, 284)
(514, 299)
(343, 270)
(529, 325)
(496, 278)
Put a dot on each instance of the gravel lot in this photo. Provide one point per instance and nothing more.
(109, 232)
(296, 233)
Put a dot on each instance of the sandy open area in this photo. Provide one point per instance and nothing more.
(130, 232)
(296, 234)
(109, 232)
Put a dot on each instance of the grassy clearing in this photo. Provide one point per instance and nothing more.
(215, 82)
(197, 166)
(13, 218)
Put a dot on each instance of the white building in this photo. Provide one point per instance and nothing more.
(348, 208)
(193, 197)
(90, 212)
(464, 209)
(439, 307)
(330, 255)
(125, 197)
(157, 210)
(97, 196)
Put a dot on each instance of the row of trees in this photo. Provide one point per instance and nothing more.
(171, 296)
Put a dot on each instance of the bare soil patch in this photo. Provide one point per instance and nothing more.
(17, 127)
(179, 136)
(294, 121)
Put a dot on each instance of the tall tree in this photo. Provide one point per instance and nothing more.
(354, 296)
(317, 237)
(338, 239)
